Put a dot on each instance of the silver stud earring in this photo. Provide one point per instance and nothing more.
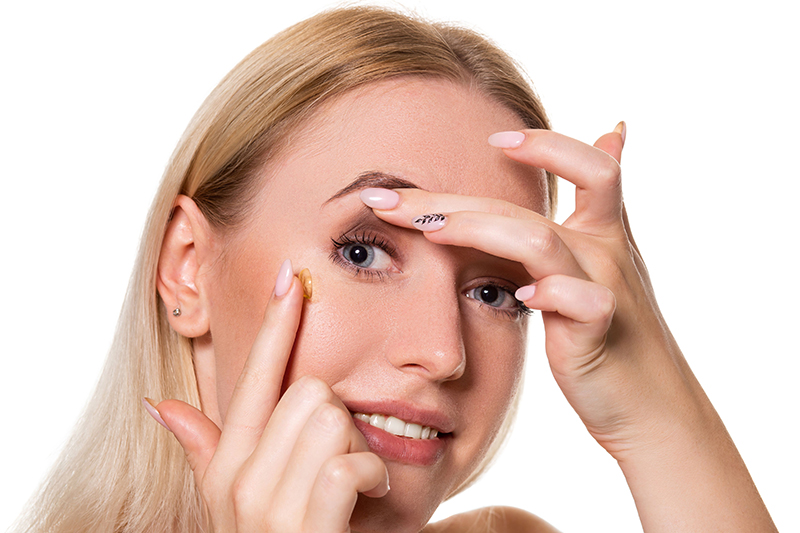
(176, 312)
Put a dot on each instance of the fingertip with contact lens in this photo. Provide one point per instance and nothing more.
(305, 281)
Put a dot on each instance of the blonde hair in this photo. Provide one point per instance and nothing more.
(120, 471)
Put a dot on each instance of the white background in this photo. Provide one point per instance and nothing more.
(95, 95)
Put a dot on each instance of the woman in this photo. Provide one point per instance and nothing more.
(367, 108)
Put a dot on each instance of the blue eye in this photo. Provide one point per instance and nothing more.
(359, 254)
(364, 254)
(494, 296)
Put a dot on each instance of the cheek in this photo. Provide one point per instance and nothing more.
(237, 304)
(342, 328)
(499, 352)
(352, 332)
(497, 366)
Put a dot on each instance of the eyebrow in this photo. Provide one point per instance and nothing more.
(373, 178)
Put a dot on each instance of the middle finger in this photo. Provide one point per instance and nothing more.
(492, 226)
(329, 432)
(534, 245)
(258, 389)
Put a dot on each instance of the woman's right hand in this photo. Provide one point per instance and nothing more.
(291, 463)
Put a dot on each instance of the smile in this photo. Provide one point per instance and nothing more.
(398, 427)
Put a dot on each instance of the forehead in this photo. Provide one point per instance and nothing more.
(427, 131)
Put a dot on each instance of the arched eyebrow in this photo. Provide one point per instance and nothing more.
(373, 178)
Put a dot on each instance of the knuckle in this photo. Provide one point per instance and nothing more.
(331, 419)
(542, 241)
(608, 174)
(606, 304)
(337, 474)
(313, 389)
(243, 497)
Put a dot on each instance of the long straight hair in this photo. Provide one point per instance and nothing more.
(121, 472)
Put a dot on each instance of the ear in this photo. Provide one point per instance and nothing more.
(187, 246)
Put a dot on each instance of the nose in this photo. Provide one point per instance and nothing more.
(428, 335)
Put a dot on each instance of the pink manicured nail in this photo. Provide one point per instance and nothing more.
(284, 280)
(380, 198)
(525, 293)
(432, 222)
(150, 406)
(506, 139)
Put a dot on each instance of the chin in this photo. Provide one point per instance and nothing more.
(386, 515)
(407, 507)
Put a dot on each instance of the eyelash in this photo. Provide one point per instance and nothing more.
(518, 312)
(363, 237)
(373, 239)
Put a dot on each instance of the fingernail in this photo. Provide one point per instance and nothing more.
(525, 293)
(432, 222)
(305, 280)
(150, 406)
(380, 198)
(506, 139)
(622, 129)
(284, 280)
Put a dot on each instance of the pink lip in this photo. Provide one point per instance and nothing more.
(405, 411)
(422, 452)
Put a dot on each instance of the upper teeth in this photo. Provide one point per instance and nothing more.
(395, 426)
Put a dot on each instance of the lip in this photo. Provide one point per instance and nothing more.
(405, 411)
(421, 452)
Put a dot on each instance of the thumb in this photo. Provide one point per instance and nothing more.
(196, 433)
(612, 143)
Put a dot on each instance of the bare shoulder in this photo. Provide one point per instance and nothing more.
(492, 520)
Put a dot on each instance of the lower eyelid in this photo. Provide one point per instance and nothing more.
(356, 270)
(513, 309)
(383, 253)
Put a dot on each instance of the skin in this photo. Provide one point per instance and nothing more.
(276, 449)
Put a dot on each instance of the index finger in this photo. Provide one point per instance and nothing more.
(410, 203)
(595, 173)
(258, 389)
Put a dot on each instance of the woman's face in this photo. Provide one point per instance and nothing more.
(397, 325)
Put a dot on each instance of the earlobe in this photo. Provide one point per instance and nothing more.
(187, 242)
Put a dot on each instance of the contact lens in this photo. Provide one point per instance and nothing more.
(305, 281)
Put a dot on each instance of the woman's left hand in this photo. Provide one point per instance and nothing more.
(607, 343)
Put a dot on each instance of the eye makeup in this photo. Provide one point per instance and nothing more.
(368, 250)
(366, 253)
(486, 292)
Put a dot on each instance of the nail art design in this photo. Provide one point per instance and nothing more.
(430, 222)
(305, 281)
